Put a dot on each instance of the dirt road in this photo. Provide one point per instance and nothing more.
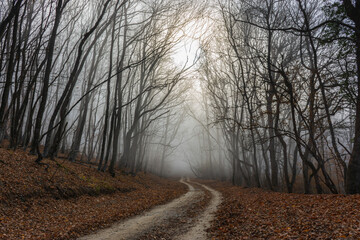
(186, 217)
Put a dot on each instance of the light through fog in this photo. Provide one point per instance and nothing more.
(224, 89)
(190, 153)
(187, 51)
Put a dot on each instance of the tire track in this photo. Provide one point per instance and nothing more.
(135, 226)
(198, 231)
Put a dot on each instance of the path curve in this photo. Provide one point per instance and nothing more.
(134, 226)
(198, 232)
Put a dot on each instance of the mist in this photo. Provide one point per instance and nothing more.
(258, 93)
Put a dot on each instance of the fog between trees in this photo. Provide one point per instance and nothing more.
(261, 93)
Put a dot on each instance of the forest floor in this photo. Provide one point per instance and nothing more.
(252, 213)
(63, 200)
(187, 217)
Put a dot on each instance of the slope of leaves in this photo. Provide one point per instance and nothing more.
(250, 213)
(63, 200)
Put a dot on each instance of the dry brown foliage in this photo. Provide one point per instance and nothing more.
(65, 200)
(250, 213)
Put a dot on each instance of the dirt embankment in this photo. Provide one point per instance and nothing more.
(64, 200)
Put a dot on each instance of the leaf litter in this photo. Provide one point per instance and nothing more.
(65, 200)
(252, 213)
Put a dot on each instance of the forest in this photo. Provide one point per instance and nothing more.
(276, 79)
(259, 93)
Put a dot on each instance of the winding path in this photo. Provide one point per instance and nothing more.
(136, 226)
(204, 222)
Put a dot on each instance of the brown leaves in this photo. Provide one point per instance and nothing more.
(70, 199)
(258, 214)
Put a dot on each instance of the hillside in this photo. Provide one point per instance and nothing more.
(61, 200)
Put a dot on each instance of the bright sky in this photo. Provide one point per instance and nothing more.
(188, 48)
(187, 52)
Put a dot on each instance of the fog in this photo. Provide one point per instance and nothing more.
(259, 93)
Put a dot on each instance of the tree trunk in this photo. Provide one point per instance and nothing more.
(352, 185)
(45, 88)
